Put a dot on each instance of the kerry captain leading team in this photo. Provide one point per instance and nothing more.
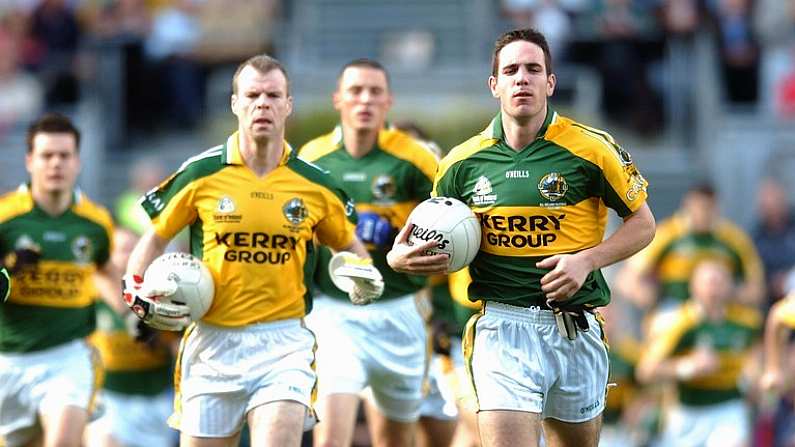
(253, 210)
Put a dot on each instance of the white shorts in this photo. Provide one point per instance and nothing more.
(519, 361)
(707, 426)
(440, 400)
(32, 383)
(223, 373)
(136, 420)
(381, 345)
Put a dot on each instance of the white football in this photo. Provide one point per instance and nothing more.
(452, 224)
(195, 285)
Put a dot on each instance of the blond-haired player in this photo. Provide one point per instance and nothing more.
(253, 210)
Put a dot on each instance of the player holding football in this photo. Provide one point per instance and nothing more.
(382, 346)
(253, 210)
(56, 244)
(541, 184)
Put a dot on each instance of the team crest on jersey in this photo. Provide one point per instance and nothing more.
(295, 211)
(636, 184)
(225, 205)
(482, 192)
(82, 249)
(384, 187)
(623, 155)
(553, 186)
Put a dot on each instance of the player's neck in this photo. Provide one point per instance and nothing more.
(359, 142)
(262, 156)
(521, 132)
(53, 203)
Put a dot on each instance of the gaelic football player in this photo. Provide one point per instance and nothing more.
(383, 346)
(253, 210)
(56, 244)
(541, 184)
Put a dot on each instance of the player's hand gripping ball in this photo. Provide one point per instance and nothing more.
(450, 223)
(190, 279)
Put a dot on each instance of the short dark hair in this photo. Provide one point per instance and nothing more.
(703, 188)
(364, 63)
(263, 64)
(52, 123)
(526, 34)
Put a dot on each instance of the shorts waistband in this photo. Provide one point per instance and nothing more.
(531, 314)
(263, 326)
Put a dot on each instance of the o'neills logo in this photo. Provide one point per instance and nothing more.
(426, 235)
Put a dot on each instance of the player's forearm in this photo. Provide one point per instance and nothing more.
(149, 247)
(636, 232)
(775, 342)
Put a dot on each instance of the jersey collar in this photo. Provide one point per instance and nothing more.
(496, 131)
(232, 156)
(25, 190)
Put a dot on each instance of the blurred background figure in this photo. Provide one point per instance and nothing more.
(774, 237)
(705, 352)
(21, 94)
(659, 277)
(54, 36)
(145, 174)
(137, 394)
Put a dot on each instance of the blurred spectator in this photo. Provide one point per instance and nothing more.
(21, 95)
(55, 35)
(548, 16)
(125, 18)
(680, 17)
(775, 25)
(627, 42)
(235, 29)
(738, 50)
(774, 237)
(705, 352)
(176, 33)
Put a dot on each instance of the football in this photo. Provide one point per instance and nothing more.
(195, 285)
(452, 224)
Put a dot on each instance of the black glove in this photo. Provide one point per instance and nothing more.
(22, 259)
(440, 337)
(142, 332)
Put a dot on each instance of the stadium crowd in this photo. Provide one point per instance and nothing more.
(697, 323)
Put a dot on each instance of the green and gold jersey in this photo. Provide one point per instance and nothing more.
(254, 234)
(52, 303)
(130, 367)
(549, 198)
(732, 339)
(389, 181)
(676, 250)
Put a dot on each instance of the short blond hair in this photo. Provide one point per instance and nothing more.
(263, 64)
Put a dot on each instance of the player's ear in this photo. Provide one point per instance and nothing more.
(552, 81)
(493, 86)
(233, 102)
(289, 105)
